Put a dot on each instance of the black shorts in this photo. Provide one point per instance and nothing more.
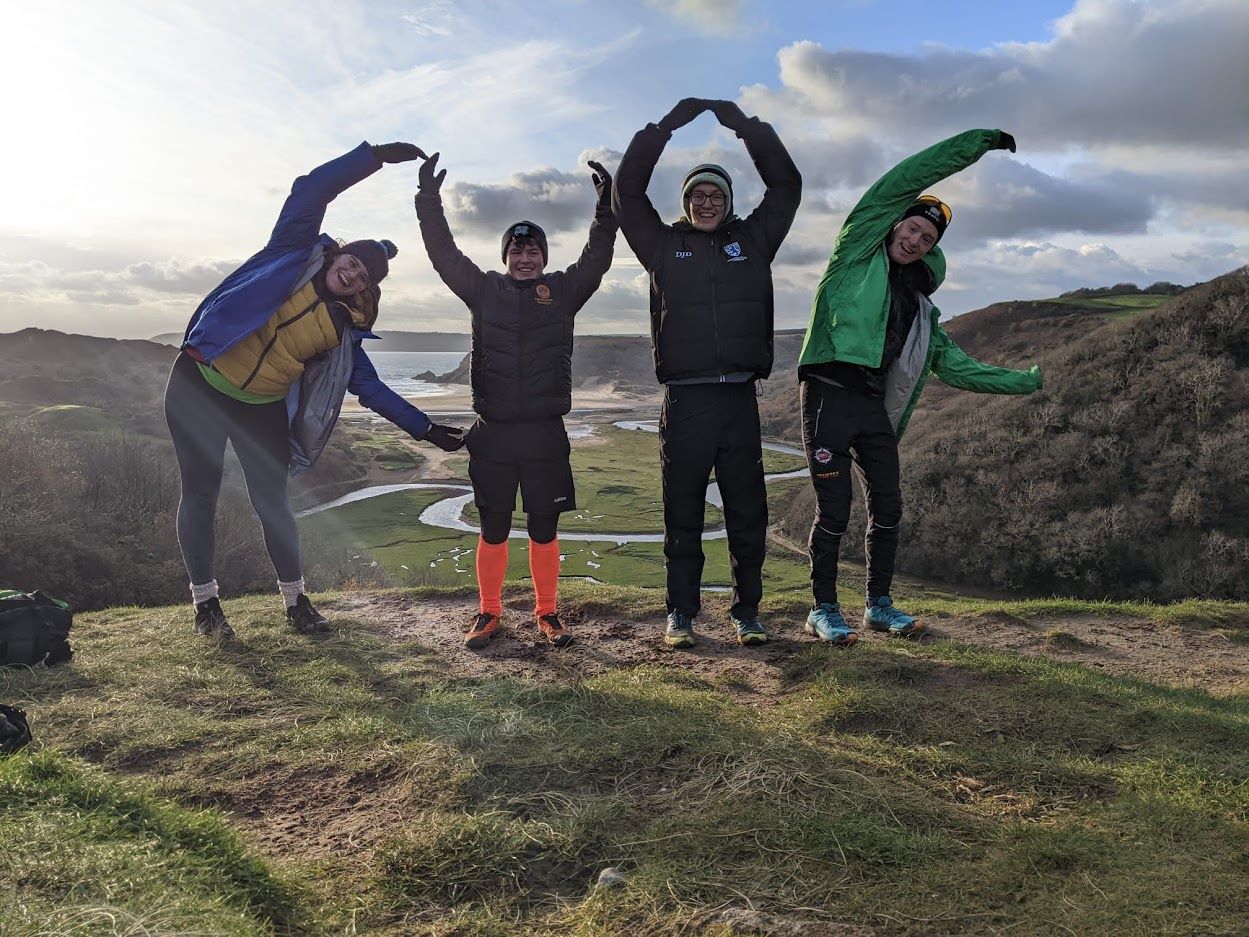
(531, 456)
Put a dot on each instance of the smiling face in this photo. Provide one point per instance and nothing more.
(911, 239)
(347, 276)
(524, 259)
(705, 206)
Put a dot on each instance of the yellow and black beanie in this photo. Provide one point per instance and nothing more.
(932, 208)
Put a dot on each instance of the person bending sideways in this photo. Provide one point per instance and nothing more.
(521, 376)
(265, 362)
(711, 333)
(873, 339)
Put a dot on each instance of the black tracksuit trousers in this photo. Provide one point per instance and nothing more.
(841, 428)
(704, 427)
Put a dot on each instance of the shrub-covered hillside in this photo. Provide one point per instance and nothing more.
(1126, 476)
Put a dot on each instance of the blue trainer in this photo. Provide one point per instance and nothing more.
(680, 631)
(882, 615)
(826, 623)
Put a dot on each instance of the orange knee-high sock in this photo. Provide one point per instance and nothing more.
(491, 568)
(544, 568)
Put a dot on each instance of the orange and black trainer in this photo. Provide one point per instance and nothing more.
(553, 630)
(485, 628)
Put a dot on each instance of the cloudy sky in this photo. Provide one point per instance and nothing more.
(149, 145)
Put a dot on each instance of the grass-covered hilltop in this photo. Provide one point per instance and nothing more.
(1065, 752)
(1041, 768)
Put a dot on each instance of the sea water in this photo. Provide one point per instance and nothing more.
(398, 370)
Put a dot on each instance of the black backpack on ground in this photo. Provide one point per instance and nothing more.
(34, 629)
(14, 729)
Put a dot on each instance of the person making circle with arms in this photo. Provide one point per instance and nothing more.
(265, 362)
(711, 311)
(873, 338)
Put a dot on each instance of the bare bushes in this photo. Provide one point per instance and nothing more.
(1127, 477)
(89, 517)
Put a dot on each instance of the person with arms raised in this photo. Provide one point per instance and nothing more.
(873, 339)
(265, 362)
(521, 378)
(711, 314)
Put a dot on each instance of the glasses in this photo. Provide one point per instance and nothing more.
(701, 198)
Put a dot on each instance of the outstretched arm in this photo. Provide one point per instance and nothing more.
(959, 369)
(783, 182)
(586, 274)
(374, 394)
(463, 276)
(870, 220)
(638, 219)
(299, 222)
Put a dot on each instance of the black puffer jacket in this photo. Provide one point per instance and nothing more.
(521, 359)
(711, 292)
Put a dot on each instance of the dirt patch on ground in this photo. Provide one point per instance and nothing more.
(1173, 655)
(320, 813)
(603, 644)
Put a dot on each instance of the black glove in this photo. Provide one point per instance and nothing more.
(728, 113)
(1005, 141)
(398, 152)
(426, 179)
(685, 111)
(446, 438)
(602, 182)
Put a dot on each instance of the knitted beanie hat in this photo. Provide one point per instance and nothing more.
(525, 229)
(717, 176)
(932, 208)
(375, 255)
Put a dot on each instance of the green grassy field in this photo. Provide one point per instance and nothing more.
(1117, 307)
(618, 490)
(365, 785)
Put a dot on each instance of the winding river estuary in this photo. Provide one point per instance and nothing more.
(447, 513)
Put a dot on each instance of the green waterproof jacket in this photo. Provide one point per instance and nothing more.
(851, 309)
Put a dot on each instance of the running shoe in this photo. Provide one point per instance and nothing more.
(553, 630)
(882, 615)
(210, 620)
(305, 619)
(680, 632)
(825, 622)
(749, 631)
(484, 629)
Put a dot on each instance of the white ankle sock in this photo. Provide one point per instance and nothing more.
(291, 591)
(203, 592)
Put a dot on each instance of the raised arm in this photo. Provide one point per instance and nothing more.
(638, 219)
(586, 274)
(781, 178)
(299, 222)
(870, 220)
(464, 277)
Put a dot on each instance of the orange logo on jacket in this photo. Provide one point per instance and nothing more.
(542, 293)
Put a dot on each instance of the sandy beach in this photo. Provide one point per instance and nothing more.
(598, 398)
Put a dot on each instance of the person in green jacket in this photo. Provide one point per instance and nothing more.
(873, 339)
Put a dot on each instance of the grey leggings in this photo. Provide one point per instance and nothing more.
(201, 419)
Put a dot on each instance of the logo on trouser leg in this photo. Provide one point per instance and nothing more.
(823, 456)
